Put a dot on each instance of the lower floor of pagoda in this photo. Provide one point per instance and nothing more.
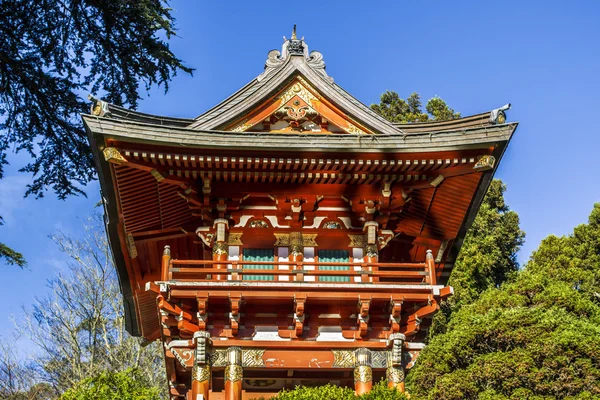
(236, 373)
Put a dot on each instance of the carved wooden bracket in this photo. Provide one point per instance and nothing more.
(202, 311)
(234, 316)
(395, 311)
(299, 301)
(383, 238)
(363, 316)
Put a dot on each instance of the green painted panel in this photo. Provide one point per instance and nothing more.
(258, 255)
(334, 256)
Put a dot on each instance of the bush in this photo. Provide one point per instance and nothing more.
(124, 385)
(330, 392)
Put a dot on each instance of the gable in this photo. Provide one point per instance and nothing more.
(297, 108)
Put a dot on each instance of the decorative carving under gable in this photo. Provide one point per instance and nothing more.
(297, 89)
(351, 128)
(343, 358)
(357, 241)
(235, 239)
(241, 127)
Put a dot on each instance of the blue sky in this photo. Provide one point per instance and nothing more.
(541, 56)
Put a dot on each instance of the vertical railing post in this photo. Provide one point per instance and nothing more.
(430, 267)
(166, 264)
(371, 251)
(296, 253)
(220, 246)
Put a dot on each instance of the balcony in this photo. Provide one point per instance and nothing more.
(301, 271)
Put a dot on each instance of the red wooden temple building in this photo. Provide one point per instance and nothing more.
(289, 235)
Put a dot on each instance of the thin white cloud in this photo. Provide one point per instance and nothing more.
(12, 188)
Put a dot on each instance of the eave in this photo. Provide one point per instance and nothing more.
(161, 135)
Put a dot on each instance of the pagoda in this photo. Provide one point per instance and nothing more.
(289, 235)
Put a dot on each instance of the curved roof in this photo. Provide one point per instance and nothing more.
(294, 62)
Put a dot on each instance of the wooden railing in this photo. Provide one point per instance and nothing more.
(302, 271)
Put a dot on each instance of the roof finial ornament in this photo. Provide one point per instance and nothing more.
(294, 33)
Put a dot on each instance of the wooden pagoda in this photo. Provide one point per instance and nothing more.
(289, 235)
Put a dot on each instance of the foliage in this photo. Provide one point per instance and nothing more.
(124, 385)
(395, 109)
(79, 327)
(53, 52)
(380, 391)
(536, 337)
(9, 255)
(488, 256)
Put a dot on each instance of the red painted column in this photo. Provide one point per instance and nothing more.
(233, 374)
(201, 371)
(395, 372)
(363, 373)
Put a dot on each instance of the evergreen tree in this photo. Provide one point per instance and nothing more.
(537, 337)
(395, 109)
(52, 52)
(488, 256)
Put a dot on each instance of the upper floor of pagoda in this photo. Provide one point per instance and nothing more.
(295, 152)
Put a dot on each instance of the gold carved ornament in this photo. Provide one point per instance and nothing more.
(309, 240)
(343, 358)
(235, 239)
(357, 240)
(218, 358)
(201, 373)
(220, 248)
(394, 374)
(112, 155)
(485, 163)
(253, 358)
(233, 373)
(282, 239)
(363, 373)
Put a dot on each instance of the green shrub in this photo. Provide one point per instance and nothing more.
(380, 391)
(124, 385)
